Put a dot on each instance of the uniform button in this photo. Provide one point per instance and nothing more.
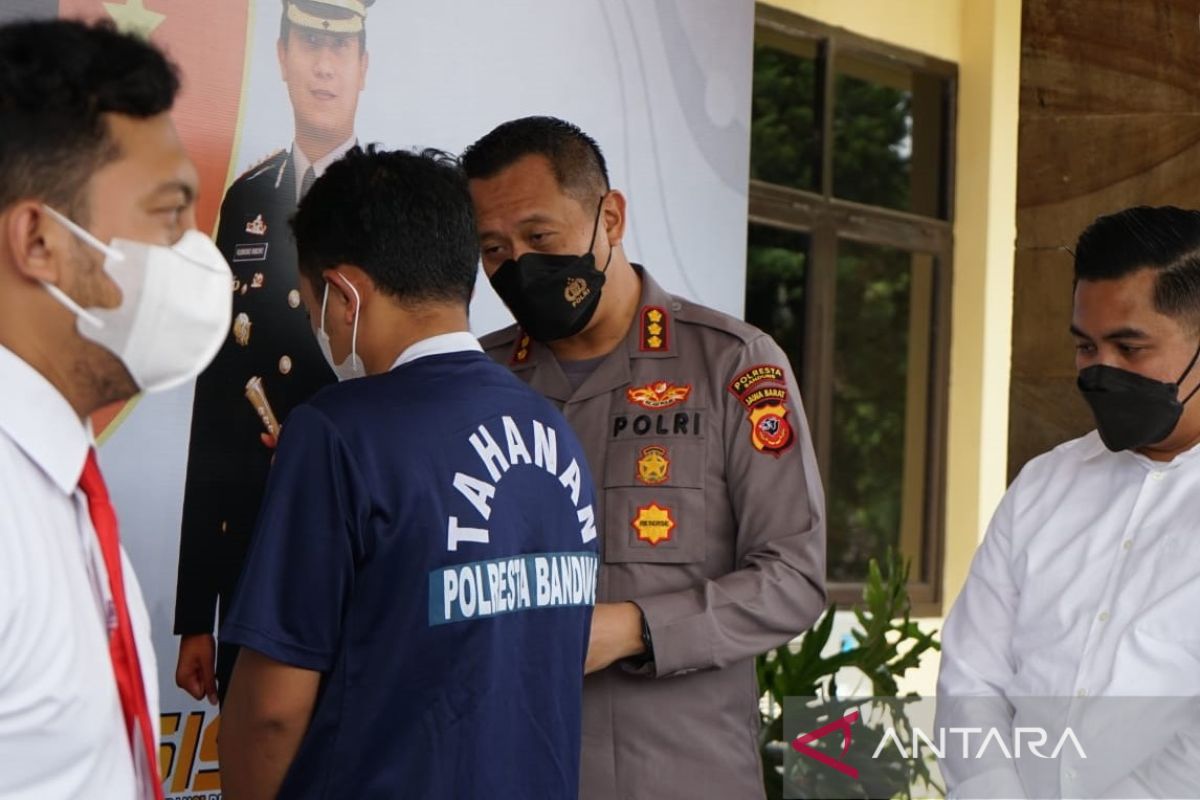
(1158, 476)
(1071, 774)
(1082, 693)
(294, 298)
(1103, 617)
(285, 365)
(1127, 544)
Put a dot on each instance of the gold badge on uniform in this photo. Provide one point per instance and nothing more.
(653, 465)
(653, 524)
(241, 329)
(659, 394)
(653, 334)
(257, 226)
(520, 352)
(762, 389)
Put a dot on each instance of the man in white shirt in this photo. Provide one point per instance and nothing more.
(1087, 585)
(96, 205)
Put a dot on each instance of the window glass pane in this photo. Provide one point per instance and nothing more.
(776, 260)
(784, 145)
(882, 330)
(889, 137)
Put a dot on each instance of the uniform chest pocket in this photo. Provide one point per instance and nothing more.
(654, 502)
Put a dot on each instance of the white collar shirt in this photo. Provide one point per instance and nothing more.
(62, 731)
(319, 166)
(1087, 584)
(455, 342)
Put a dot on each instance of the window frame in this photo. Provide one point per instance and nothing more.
(826, 220)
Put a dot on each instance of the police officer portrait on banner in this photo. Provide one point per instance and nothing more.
(1086, 584)
(269, 362)
(413, 616)
(711, 515)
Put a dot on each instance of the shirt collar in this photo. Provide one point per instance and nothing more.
(457, 342)
(321, 164)
(1093, 448)
(41, 422)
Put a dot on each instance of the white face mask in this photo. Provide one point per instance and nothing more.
(175, 306)
(353, 366)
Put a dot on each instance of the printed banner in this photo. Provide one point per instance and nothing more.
(662, 85)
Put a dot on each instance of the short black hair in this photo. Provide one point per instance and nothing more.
(285, 24)
(574, 156)
(1163, 238)
(57, 80)
(404, 218)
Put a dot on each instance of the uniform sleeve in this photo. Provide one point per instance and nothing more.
(977, 663)
(301, 567)
(198, 572)
(778, 588)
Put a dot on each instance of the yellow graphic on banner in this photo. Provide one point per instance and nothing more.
(187, 754)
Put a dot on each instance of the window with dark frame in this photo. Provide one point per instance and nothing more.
(849, 269)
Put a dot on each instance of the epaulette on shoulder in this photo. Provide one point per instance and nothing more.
(264, 164)
(501, 338)
(690, 313)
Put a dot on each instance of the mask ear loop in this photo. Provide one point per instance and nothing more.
(81, 232)
(596, 229)
(357, 309)
(1191, 364)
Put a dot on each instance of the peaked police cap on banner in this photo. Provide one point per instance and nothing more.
(330, 16)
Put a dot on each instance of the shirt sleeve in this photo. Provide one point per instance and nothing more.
(977, 663)
(778, 588)
(300, 571)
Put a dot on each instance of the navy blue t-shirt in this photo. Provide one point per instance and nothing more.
(428, 542)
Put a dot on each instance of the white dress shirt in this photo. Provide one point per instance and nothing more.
(319, 166)
(62, 731)
(1086, 585)
(455, 342)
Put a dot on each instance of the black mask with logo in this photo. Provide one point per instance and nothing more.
(552, 296)
(1132, 410)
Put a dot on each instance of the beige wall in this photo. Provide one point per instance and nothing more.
(984, 38)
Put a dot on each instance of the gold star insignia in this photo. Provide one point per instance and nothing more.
(654, 316)
(654, 328)
(133, 17)
(654, 341)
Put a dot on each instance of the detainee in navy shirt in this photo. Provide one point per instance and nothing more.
(428, 544)
(416, 602)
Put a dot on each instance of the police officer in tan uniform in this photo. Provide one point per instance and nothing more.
(323, 62)
(711, 506)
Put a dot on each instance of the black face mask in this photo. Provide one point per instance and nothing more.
(552, 296)
(1132, 410)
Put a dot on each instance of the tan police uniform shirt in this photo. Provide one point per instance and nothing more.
(714, 524)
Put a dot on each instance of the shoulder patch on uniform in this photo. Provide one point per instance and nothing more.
(762, 389)
(654, 335)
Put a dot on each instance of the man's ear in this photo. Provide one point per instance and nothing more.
(281, 54)
(36, 244)
(612, 212)
(349, 287)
